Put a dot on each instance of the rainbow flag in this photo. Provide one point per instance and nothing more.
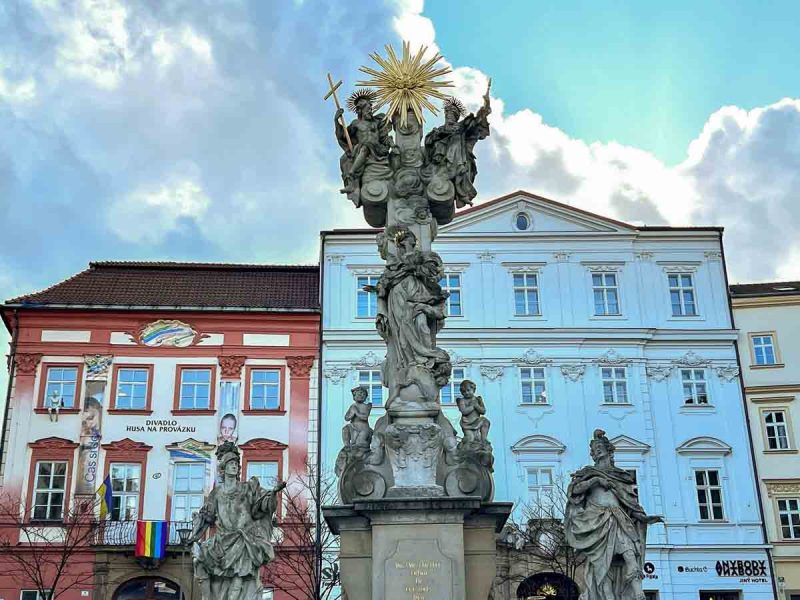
(151, 538)
(106, 499)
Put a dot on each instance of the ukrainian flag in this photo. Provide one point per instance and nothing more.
(106, 499)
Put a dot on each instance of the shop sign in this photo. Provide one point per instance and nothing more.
(650, 571)
(162, 426)
(748, 571)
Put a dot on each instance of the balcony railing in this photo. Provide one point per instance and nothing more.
(123, 533)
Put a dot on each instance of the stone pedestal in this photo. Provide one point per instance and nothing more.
(418, 548)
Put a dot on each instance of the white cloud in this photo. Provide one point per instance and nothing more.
(170, 44)
(148, 215)
(17, 92)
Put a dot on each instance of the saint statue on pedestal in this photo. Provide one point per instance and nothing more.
(228, 563)
(604, 521)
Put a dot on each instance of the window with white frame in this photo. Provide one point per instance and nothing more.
(635, 474)
(48, 499)
(451, 391)
(131, 393)
(373, 381)
(615, 385)
(366, 302)
(265, 389)
(265, 471)
(776, 429)
(540, 484)
(533, 385)
(789, 517)
(34, 595)
(188, 490)
(605, 293)
(709, 494)
(195, 389)
(681, 294)
(125, 482)
(763, 349)
(695, 389)
(451, 282)
(62, 382)
(526, 294)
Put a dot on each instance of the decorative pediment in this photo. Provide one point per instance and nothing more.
(538, 444)
(262, 444)
(533, 358)
(612, 358)
(369, 361)
(53, 443)
(704, 445)
(191, 449)
(625, 444)
(778, 487)
(126, 445)
(691, 359)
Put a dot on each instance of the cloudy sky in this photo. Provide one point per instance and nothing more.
(195, 130)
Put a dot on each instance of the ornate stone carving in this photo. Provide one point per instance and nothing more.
(562, 256)
(727, 373)
(97, 366)
(604, 522)
(486, 257)
(658, 372)
(357, 433)
(612, 358)
(459, 361)
(690, 359)
(228, 563)
(492, 372)
(644, 256)
(335, 374)
(414, 450)
(300, 366)
(231, 366)
(53, 443)
(532, 358)
(712, 255)
(573, 372)
(335, 259)
(777, 487)
(25, 364)
(369, 361)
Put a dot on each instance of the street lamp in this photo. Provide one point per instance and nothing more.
(184, 531)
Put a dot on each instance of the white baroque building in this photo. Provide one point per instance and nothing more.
(569, 321)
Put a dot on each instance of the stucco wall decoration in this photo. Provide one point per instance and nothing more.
(168, 333)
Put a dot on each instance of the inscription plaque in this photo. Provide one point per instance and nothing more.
(418, 570)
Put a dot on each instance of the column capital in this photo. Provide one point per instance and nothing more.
(26, 364)
(231, 366)
(300, 366)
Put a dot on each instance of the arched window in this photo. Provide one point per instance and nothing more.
(522, 221)
(548, 586)
(148, 588)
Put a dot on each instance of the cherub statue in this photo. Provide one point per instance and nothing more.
(357, 431)
(473, 422)
(448, 148)
(53, 404)
(604, 522)
(369, 134)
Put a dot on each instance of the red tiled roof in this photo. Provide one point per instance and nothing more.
(189, 285)
(768, 288)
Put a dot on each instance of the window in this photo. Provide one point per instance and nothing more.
(125, 482)
(719, 595)
(695, 391)
(265, 387)
(534, 388)
(51, 482)
(709, 495)
(62, 382)
(776, 429)
(34, 595)
(635, 474)
(789, 516)
(373, 381)
(265, 472)
(540, 484)
(526, 294)
(267, 593)
(366, 302)
(605, 293)
(131, 391)
(763, 349)
(187, 490)
(615, 385)
(522, 221)
(681, 295)
(451, 282)
(195, 389)
(451, 391)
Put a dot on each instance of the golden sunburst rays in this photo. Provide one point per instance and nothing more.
(408, 83)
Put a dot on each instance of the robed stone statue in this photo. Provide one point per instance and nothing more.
(604, 521)
(228, 563)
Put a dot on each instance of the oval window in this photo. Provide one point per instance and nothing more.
(523, 222)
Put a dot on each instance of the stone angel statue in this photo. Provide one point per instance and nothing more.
(228, 562)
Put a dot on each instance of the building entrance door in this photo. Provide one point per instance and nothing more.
(148, 588)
